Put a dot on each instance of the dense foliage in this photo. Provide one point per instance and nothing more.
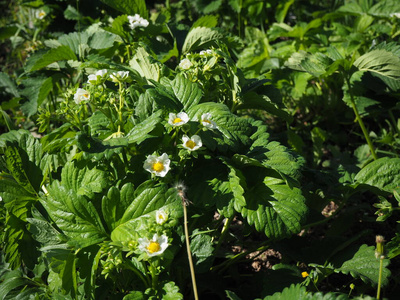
(256, 142)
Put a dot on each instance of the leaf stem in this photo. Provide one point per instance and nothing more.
(360, 121)
(224, 232)
(185, 225)
(378, 293)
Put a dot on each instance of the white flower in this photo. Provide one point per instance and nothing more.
(155, 246)
(119, 76)
(81, 95)
(137, 21)
(40, 14)
(206, 52)
(185, 64)
(207, 122)
(397, 15)
(192, 143)
(1, 199)
(158, 166)
(161, 217)
(98, 77)
(178, 119)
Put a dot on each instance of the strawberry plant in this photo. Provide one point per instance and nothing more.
(223, 149)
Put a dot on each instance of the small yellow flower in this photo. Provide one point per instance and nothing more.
(304, 274)
(155, 246)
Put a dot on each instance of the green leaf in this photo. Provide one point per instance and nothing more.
(186, 91)
(129, 7)
(316, 64)
(274, 208)
(116, 203)
(209, 21)
(83, 179)
(53, 55)
(22, 158)
(149, 197)
(365, 265)
(11, 283)
(101, 40)
(143, 130)
(171, 291)
(36, 90)
(8, 84)
(201, 37)
(282, 10)
(96, 149)
(74, 215)
(384, 8)
(297, 291)
(233, 132)
(202, 250)
(7, 31)
(381, 62)
(383, 173)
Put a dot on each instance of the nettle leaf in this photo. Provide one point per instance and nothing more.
(129, 7)
(145, 65)
(201, 37)
(54, 55)
(74, 215)
(149, 197)
(365, 265)
(116, 203)
(235, 130)
(381, 62)
(83, 179)
(274, 208)
(383, 173)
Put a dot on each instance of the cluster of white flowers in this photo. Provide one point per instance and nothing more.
(119, 76)
(137, 21)
(396, 14)
(98, 77)
(207, 52)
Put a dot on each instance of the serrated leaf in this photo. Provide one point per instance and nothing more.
(235, 130)
(101, 40)
(316, 64)
(143, 63)
(149, 197)
(209, 21)
(54, 55)
(297, 291)
(74, 215)
(383, 173)
(365, 265)
(129, 7)
(36, 90)
(381, 62)
(116, 203)
(200, 37)
(83, 179)
(275, 209)
(186, 91)
(8, 85)
(142, 130)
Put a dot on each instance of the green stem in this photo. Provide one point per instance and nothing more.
(224, 232)
(378, 293)
(360, 121)
(185, 225)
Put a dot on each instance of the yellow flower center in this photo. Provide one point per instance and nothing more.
(190, 144)
(304, 274)
(177, 120)
(207, 121)
(153, 247)
(158, 166)
(42, 14)
(86, 95)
